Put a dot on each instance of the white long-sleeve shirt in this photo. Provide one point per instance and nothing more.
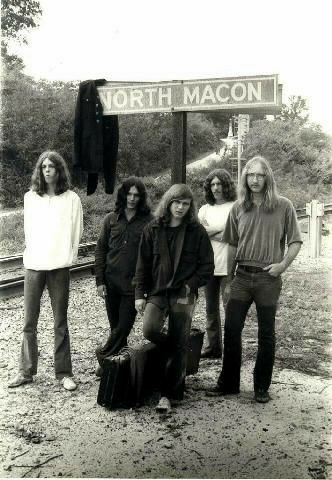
(53, 228)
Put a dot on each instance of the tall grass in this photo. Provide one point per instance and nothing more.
(11, 234)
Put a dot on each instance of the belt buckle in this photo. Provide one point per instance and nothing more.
(251, 269)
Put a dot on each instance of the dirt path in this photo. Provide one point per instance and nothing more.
(48, 432)
(231, 437)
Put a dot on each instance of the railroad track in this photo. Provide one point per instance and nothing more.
(15, 286)
(11, 287)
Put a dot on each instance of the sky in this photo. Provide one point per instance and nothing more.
(179, 39)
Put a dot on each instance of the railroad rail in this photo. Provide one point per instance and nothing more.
(15, 286)
(17, 260)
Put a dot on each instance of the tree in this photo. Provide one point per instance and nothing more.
(146, 141)
(37, 116)
(17, 16)
(295, 110)
(202, 135)
(303, 152)
(220, 121)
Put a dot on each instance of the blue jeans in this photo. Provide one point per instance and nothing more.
(57, 282)
(213, 322)
(173, 343)
(264, 290)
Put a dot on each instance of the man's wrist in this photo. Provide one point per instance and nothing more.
(283, 266)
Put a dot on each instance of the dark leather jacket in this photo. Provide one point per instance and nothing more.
(194, 268)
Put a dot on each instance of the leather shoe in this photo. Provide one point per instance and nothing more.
(219, 391)
(19, 380)
(262, 396)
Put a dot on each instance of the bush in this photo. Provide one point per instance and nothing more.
(292, 149)
(11, 234)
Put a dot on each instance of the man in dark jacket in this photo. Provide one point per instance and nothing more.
(115, 262)
(175, 259)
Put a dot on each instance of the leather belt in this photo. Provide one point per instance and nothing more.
(250, 269)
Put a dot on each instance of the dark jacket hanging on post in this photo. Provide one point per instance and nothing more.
(96, 137)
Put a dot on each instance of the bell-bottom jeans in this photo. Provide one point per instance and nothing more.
(173, 342)
(264, 290)
(57, 282)
(212, 289)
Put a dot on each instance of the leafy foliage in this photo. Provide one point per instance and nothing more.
(39, 116)
(145, 143)
(297, 151)
(17, 16)
(33, 113)
(295, 110)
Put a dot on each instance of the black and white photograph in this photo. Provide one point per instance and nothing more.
(165, 239)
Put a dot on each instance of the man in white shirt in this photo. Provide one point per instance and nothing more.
(53, 225)
(220, 194)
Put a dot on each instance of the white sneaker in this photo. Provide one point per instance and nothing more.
(19, 380)
(68, 383)
(164, 405)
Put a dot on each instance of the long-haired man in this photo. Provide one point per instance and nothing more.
(53, 225)
(220, 194)
(260, 223)
(115, 262)
(175, 259)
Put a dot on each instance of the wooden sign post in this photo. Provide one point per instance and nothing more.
(179, 147)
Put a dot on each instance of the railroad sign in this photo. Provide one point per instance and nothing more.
(243, 94)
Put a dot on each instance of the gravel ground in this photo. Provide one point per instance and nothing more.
(48, 432)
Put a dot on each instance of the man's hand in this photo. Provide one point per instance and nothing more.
(101, 291)
(275, 269)
(188, 289)
(185, 299)
(227, 290)
(140, 305)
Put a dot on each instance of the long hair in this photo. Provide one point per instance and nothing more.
(270, 193)
(176, 191)
(38, 183)
(228, 186)
(121, 200)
